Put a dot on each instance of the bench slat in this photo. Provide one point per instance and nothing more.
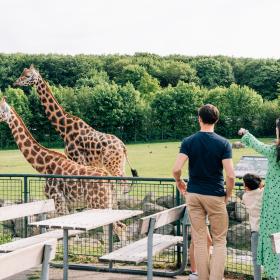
(26, 209)
(24, 242)
(162, 218)
(137, 251)
(23, 259)
(276, 242)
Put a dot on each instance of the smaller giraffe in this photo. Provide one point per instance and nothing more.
(95, 193)
(83, 144)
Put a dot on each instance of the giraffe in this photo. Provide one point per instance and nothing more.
(96, 193)
(83, 144)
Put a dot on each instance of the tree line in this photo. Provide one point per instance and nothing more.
(145, 97)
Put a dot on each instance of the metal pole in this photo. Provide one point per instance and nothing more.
(25, 200)
(45, 264)
(43, 217)
(178, 229)
(150, 249)
(65, 254)
(110, 243)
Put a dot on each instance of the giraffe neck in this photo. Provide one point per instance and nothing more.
(38, 156)
(55, 113)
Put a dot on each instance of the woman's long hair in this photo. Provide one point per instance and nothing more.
(278, 140)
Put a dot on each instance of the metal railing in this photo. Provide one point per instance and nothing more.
(147, 194)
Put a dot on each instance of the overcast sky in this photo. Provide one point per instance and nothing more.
(247, 28)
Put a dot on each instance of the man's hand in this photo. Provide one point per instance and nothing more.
(227, 197)
(182, 187)
(242, 131)
(177, 172)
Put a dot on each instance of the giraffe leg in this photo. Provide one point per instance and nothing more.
(52, 192)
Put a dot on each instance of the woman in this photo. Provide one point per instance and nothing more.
(270, 212)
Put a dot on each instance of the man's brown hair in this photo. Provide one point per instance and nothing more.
(209, 114)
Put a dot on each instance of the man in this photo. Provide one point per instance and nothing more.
(207, 154)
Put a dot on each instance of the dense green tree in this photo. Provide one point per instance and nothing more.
(239, 107)
(175, 110)
(68, 99)
(269, 112)
(141, 96)
(94, 78)
(263, 76)
(148, 86)
(130, 73)
(213, 73)
(171, 72)
(18, 100)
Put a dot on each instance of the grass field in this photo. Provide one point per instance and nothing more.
(150, 160)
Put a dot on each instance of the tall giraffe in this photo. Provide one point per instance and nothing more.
(83, 144)
(95, 193)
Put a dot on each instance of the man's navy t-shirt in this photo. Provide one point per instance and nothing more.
(205, 151)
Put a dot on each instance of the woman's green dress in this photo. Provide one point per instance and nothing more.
(270, 212)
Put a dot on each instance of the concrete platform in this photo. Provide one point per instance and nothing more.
(57, 274)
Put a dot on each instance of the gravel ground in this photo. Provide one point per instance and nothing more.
(56, 274)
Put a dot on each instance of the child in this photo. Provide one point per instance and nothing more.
(252, 200)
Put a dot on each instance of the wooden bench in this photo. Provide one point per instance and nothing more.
(29, 209)
(28, 257)
(144, 249)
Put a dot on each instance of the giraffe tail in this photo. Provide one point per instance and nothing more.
(133, 171)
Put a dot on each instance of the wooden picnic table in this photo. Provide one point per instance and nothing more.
(86, 220)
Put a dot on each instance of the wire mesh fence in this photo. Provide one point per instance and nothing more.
(150, 195)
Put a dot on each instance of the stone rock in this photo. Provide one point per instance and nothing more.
(232, 215)
(85, 241)
(149, 197)
(167, 201)
(238, 252)
(132, 231)
(240, 193)
(240, 212)
(2, 202)
(129, 202)
(237, 145)
(231, 204)
(231, 208)
(239, 234)
(151, 208)
(240, 256)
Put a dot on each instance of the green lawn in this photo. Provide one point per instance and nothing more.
(150, 160)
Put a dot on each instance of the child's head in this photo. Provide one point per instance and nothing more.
(252, 181)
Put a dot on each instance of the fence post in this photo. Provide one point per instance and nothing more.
(178, 228)
(25, 200)
(150, 249)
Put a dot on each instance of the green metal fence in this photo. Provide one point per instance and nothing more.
(147, 194)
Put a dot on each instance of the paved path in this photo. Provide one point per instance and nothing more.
(56, 274)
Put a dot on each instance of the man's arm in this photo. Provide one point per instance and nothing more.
(177, 172)
(230, 176)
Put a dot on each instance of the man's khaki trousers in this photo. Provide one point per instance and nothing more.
(214, 206)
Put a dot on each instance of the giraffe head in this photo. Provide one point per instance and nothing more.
(5, 110)
(28, 77)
